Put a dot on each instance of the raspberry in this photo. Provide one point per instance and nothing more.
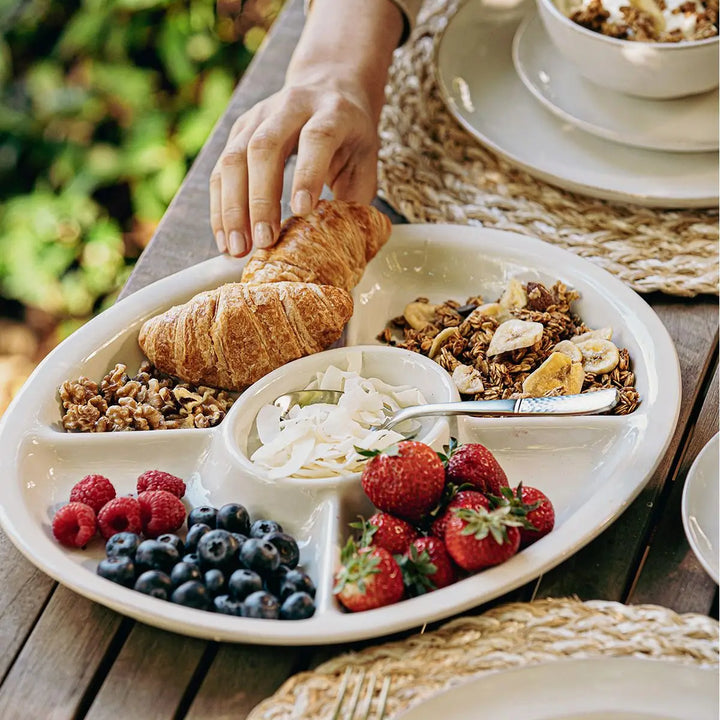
(161, 512)
(74, 524)
(93, 490)
(159, 480)
(120, 515)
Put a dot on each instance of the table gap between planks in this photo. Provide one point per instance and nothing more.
(63, 656)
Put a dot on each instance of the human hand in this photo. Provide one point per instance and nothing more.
(332, 125)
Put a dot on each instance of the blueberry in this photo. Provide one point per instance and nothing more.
(214, 581)
(263, 527)
(193, 536)
(174, 540)
(273, 583)
(241, 541)
(297, 606)
(261, 604)
(243, 583)
(118, 568)
(154, 583)
(286, 547)
(192, 559)
(217, 549)
(234, 518)
(205, 514)
(183, 572)
(296, 581)
(192, 594)
(155, 555)
(227, 605)
(122, 543)
(260, 555)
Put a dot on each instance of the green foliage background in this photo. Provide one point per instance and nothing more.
(103, 106)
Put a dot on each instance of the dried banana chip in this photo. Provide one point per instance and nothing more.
(493, 310)
(514, 334)
(557, 372)
(599, 356)
(467, 380)
(440, 339)
(419, 314)
(601, 333)
(653, 10)
(570, 349)
(514, 296)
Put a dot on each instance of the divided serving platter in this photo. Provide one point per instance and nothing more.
(590, 467)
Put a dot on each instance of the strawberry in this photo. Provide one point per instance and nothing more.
(473, 463)
(533, 506)
(478, 538)
(427, 566)
(463, 499)
(405, 480)
(369, 578)
(386, 531)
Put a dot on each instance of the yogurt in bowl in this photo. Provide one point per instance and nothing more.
(315, 445)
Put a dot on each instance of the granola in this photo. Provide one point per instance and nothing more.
(667, 21)
(150, 400)
(542, 349)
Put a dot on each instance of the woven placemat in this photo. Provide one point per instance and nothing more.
(433, 170)
(508, 636)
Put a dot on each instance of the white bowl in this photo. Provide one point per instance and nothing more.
(394, 366)
(644, 69)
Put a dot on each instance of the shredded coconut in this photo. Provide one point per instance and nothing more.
(319, 440)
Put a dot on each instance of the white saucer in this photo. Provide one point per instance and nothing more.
(700, 507)
(621, 688)
(687, 124)
(482, 90)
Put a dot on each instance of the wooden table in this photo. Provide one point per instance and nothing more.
(62, 656)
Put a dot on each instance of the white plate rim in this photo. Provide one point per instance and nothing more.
(535, 560)
(492, 686)
(709, 563)
(634, 139)
(602, 192)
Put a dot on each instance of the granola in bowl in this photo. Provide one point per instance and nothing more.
(150, 400)
(527, 344)
(665, 21)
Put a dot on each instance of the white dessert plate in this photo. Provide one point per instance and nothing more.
(591, 467)
(701, 505)
(617, 688)
(688, 124)
(481, 89)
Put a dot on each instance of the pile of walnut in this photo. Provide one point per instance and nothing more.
(527, 344)
(149, 401)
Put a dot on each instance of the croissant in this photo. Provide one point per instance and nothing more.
(331, 246)
(232, 336)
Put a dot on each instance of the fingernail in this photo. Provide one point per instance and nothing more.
(237, 243)
(302, 203)
(221, 242)
(263, 235)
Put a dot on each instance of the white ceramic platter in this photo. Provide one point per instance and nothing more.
(688, 124)
(589, 689)
(591, 467)
(701, 506)
(482, 90)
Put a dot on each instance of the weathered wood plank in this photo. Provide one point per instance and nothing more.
(149, 677)
(239, 678)
(59, 660)
(671, 575)
(25, 590)
(606, 567)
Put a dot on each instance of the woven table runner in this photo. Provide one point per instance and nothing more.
(507, 636)
(433, 170)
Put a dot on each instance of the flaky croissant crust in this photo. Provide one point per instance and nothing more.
(330, 246)
(234, 335)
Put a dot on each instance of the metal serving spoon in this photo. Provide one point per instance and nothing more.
(589, 403)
